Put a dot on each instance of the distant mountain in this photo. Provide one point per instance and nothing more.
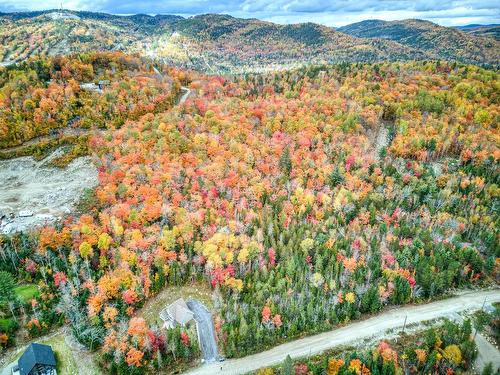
(137, 19)
(227, 43)
(221, 43)
(438, 41)
(492, 30)
(476, 26)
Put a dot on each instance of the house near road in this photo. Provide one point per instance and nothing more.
(177, 313)
(38, 359)
(183, 314)
(96, 87)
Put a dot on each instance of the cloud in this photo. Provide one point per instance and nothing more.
(328, 12)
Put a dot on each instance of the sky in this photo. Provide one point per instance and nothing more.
(328, 12)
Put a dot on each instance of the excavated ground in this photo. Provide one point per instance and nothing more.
(32, 193)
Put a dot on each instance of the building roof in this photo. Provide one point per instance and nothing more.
(36, 354)
(177, 312)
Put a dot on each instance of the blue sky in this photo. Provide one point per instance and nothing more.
(327, 12)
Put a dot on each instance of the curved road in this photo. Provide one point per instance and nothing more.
(369, 328)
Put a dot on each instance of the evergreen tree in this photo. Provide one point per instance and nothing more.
(287, 366)
(7, 285)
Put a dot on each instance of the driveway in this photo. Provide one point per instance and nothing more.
(205, 327)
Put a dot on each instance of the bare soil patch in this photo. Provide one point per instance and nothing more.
(32, 193)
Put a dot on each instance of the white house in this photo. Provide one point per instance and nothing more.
(177, 312)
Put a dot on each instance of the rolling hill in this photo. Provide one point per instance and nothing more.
(437, 41)
(221, 43)
(224, 43)
(492, 30)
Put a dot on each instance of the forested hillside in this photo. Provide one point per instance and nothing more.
(482, 30)
(223, 44)
(437, 41)
(44, 96)
(304, 199)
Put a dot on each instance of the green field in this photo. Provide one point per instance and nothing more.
(26, 292)
(7, 325)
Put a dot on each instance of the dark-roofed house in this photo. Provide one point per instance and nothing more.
(38, 359)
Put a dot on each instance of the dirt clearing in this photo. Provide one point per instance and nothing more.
(33, 193)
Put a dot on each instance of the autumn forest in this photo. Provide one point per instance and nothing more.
(300, 199)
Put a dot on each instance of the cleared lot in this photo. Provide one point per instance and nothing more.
(33, 193)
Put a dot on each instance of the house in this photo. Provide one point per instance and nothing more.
(103, 83)
(177, 313)
(90, 86)
(38, 359)
(193, 313)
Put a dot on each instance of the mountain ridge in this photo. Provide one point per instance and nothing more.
(439, 42)
(223, 43)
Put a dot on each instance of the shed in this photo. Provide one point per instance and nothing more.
(38, 359)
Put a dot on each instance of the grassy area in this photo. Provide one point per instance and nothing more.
(151, 310)
(66, 362)
(7, 325)
(26, 292)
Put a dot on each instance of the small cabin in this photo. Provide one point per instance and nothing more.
(38, 359)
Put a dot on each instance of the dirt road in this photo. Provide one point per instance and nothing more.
(375, 327)
(60, 133)
(185, 95)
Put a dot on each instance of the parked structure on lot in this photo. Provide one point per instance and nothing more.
(90, 86)
(103, 83)
(96, 87)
